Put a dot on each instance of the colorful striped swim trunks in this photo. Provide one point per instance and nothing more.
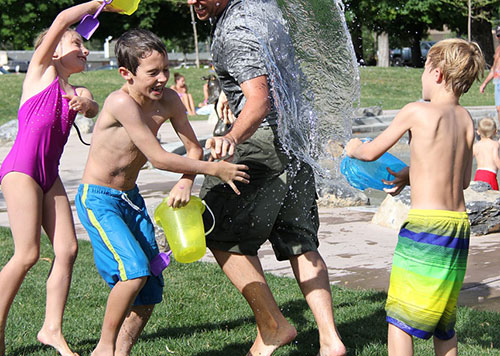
(428, 270)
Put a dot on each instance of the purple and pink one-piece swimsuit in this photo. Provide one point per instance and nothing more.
(45, 122)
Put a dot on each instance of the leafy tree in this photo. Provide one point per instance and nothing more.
(484, 12)
(409, 20)
(22, 20)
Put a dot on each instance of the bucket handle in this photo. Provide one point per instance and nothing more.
(213, 218)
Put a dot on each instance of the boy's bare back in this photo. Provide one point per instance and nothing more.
(123, 135)
(486, 154)
(441, 131)
(442, 136)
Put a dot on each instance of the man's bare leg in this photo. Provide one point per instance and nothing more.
(246, 273)
(399, 343)
(311, 274)
(120, 300)
(446, 347)
(131, 328)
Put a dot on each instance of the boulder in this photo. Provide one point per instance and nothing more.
(482, 204)
(85, 124)
(8, 131)
(393, 211)
(368, 111)
(339, 195)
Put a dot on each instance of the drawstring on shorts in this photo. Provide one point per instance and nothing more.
(125, 197)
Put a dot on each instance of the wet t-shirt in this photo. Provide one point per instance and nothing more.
(238, 56)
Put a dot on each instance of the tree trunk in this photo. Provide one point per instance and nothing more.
(193, 21)
(416, 52)
(357, 42)
(481, 33)
(383, 50)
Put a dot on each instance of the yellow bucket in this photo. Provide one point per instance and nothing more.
(125, 6)
(184, 228)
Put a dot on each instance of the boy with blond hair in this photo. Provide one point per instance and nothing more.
(431, 255)
(486, 153)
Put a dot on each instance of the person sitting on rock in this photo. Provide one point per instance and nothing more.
(181, 89)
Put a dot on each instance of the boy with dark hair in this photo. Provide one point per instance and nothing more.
(431, 255)
(108, 202)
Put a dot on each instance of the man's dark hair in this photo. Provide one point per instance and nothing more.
(136, 44)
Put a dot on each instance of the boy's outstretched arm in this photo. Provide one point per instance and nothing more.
(370, 151)
(180, 194)
(126, 111)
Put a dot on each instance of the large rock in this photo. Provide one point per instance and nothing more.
(339, 195)
(394, 210)
(482, 204)
(84, 124)
(331, 199)
(8, 131)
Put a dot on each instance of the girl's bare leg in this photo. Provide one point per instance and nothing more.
(187, 100)
(57, 222)
(24, 204)
(191, 105)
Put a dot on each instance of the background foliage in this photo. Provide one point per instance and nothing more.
(406, 21)
(22, 20)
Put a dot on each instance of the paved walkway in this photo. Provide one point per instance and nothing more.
(358, 253)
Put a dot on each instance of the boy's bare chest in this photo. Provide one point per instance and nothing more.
(155, 118)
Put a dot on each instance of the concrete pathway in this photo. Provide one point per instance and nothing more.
(358, 253)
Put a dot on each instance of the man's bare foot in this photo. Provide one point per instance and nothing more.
(55, 340)
(268, 341)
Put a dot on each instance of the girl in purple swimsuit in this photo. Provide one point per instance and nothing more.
(30, 182)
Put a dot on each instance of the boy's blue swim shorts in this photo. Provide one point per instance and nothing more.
(122, 237)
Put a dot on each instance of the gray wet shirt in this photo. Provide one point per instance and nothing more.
(238, 56)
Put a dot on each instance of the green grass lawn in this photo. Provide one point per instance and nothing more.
(203, 315)
(101, 83)
(394, 87)
(389, 88)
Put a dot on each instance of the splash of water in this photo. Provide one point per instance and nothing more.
(314, 76)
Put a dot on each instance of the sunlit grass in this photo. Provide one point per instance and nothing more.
(389, 88)
(203, 315)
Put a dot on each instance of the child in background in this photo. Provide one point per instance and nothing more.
(181, 89)
(31, 186)
(109, 203)
(486, 153)
(431, 255)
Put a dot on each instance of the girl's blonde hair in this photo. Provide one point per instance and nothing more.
(39, 39)
(487, 127)
(460, 61)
